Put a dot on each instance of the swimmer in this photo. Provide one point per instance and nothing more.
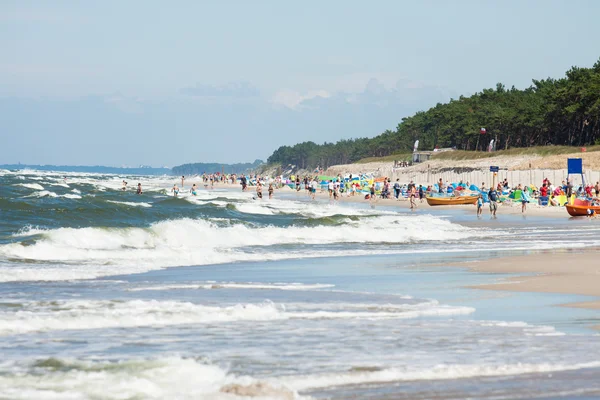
(193, 190)
(124, 185)
(139, 189)
(175, 190)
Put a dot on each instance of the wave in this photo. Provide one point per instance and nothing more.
(161, 378)
(437, 372)
(130, 203)
(47, 193)
(200, 242)
(194, 378)
(34, 186)
(233, 285)
(103, 314)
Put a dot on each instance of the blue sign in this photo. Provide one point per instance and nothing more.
(494, 169)
(575, 166)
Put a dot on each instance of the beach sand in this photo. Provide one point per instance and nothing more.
(567, 273)
(513, 208)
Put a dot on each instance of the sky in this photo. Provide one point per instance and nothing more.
(124, 83)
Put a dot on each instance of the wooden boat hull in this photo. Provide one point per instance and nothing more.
(451, 201)
(581, 211)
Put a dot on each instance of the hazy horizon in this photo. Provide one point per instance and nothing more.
(135, 83)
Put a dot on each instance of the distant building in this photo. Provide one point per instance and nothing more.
(421, 156)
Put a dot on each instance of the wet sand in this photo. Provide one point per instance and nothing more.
(567, 273)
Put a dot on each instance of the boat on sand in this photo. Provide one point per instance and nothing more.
(580, 208)
(451, 200)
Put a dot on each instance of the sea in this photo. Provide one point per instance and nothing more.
(105, 294)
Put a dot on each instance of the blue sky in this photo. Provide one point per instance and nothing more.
(164, 83)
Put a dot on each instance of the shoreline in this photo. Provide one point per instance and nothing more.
(513, 208)
(553, 272)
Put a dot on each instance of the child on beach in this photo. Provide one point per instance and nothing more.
(524, 202)
(479, 205)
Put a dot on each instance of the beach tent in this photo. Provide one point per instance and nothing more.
(516, 195)
(474, 188)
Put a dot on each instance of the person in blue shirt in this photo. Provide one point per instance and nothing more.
(493, 197)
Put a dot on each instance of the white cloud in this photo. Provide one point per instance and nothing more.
(293, 100)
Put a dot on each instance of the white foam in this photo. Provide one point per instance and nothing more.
(101, 314)
(130, 203)
(46, 193)
(43, 193)
(200, 242)
(233, 285)
(35, 186)
(437, 372)
(71, 196)
(164, 378)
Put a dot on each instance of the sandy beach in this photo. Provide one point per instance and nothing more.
(565, 272)
(513, 208)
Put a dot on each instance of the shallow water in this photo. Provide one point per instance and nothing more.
(112, 295)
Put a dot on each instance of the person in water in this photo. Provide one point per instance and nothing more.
(193, 190)
(175, 190)
(124, 185)
(271, 190)
(182, 179)
(139, 188)
(479, 205)
(259, 189)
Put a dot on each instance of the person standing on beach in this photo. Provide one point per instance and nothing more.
(493, 197)
(441, 186)
(397, 189)
(413, 195)
(330, 188)
(259, 190)
(421, 194)
(479, 205)
(313, 188)
(271, 190)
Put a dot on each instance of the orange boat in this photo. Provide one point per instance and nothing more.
(580, 208)
(451, 201)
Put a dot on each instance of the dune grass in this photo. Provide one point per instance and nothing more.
(521, 151)
(393, 157)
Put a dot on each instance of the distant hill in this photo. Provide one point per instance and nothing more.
(94, 169)
(209, 168)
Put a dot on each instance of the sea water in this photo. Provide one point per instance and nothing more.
(105, 294)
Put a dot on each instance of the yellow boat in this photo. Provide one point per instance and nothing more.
(450, 201)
